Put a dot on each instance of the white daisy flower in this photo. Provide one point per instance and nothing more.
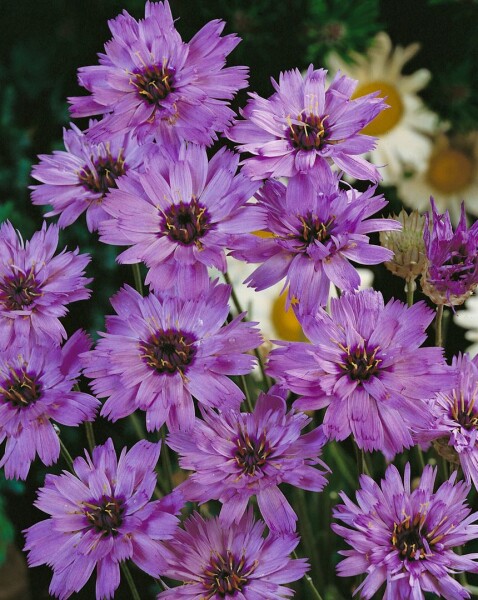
(405, 128)
(468, 319)
(451, 176)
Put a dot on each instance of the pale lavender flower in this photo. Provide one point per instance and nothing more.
(159, 353)
(36, 286)
(366, 365)
(179, 216)
(155, 85)
(455, 419)
(101, 515)
(305, 128)
(314, 233)
(238, 455)
(215, 561)
(77, 179)
(35, 389)
(451, 272)
(405, 538)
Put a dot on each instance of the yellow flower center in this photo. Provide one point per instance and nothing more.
(263, 234)
(388, 118)
(450, 171)
(285, 322)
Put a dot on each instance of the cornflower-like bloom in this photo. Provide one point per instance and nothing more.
(313, 233)
(366, 366)
(451, 273)
(455, 426)
(159, 353)
(35, 388)
(237, 455)
(155, 85)
(101, 515)
(406, 538)
(216, 561)
(77, 179)
(35, 285)
(179, 216)
(305, 127)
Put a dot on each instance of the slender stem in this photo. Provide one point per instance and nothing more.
(410, 286)
(90, 435)
(313, 589)
(361, 462)
(421, 460)
(439, 326)
(66, 455)
(127, 574)
(306, 530)
(138, 280)
(137, 426)
(250, 408)
(166, 460)
(238, 307)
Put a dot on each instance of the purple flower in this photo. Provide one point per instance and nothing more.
(451, 273)
(216, 561)
(179, 216)
(366, 366)
(36, 387)
(455, 424)
(152, 83)
(238, 455)
(406, 538)
(314, 234)
(159, 353)
(77, 180)
(305, 127)
(35, 286)
(100, 516)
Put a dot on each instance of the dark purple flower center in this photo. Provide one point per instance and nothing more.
(361, 364)
(309, 133)
(313, 228)
(19, 290)
(153, 83)
(103, 177)
(169, 351)
(186, 222)
(251, 453)
(105, 515)
(227, 575)
(464, 412)
(21, 389)
(408, 537)
(460, 264)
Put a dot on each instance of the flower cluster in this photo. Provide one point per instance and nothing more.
(182, 351)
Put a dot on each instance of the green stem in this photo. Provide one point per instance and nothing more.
(421, 460)
(127, 574)
(137, 426)
(305, 530)
(166, 460)
(238, 307)
(245, 387)
(362, 467)
(138, 280)
(66, 455)
(90, 435)
(310, 583)
(439, 326)
(410, 285)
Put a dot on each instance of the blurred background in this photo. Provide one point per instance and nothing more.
(430, 132)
